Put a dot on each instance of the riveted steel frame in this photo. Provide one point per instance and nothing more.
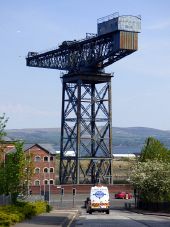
(89, 54)
(86, 129)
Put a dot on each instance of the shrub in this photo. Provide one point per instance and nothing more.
(16, 213)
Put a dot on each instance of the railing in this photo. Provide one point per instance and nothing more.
(154, 206)
(106, 18)
(5, 199)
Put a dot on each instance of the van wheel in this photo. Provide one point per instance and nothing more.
(90, 211)
(107, 212)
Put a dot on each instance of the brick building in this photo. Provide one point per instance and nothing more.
(43, 158)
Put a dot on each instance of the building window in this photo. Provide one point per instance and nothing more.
(36, 182)
(37, 158)
(45, 181)
(37, 170)
(46, 159)
(51, 181)
(45, 170)
(51, 158)
(51, 170)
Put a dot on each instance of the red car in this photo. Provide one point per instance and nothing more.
(123, 195)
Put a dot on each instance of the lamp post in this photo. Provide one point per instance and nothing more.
(49, 178)
(4, 179)
(40, 182)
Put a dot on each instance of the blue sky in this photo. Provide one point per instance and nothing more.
(31, 97)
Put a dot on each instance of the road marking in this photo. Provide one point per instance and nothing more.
(70, 222)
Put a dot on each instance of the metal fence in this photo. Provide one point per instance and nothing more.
(154, 206)
(5, 199)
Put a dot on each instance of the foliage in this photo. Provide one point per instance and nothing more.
(20, 211)
(58, 156)
(3, 122)
(18, 171)
(14, 166)
(152, 180)
(15, 172)
(151, 175)
(154, 150)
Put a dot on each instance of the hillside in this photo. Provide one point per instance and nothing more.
(125, 140)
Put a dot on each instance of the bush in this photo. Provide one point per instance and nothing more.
(21, 210)
(152, 181)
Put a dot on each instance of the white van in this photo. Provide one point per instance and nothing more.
(98, 200)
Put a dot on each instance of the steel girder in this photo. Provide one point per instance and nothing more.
(86, 129)
(85, 55)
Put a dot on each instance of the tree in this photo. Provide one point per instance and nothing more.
(18, 171)
(152, 180)
(3, 122)
(16, 168)
(154, 150)
(151, 175)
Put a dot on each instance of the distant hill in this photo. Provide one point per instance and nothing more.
(125, 140)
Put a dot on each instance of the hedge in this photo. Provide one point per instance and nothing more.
(12, 214)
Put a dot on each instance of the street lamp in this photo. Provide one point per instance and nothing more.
(49, 177)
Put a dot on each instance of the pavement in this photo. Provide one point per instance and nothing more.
(150, 212)
(131, 207)
(57, 218)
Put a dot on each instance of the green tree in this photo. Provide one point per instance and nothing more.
(152, 179)
(154, 150)
(151, 175)
(16, 168)
(18, 171)
(3, 122)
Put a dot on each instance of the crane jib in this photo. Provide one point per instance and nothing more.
(95, 53)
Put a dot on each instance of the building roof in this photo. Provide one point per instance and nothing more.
(47, 147)
(7, 139)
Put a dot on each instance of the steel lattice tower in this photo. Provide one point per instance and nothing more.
(86, 125)
(86, 129)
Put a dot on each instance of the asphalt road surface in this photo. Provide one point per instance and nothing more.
(120, 218)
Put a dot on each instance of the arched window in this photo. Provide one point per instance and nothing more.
(36, 182)
(45, 181)
(51, 158)
(51, 181)
(45, 158)
(45, 170)
(37, 158)
(51, 170)
(37, 170)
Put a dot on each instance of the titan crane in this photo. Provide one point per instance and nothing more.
(86, 124)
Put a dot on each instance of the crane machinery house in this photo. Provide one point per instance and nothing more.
(114, 22)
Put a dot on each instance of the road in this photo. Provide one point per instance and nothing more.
(71, 213)
(120, 218)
